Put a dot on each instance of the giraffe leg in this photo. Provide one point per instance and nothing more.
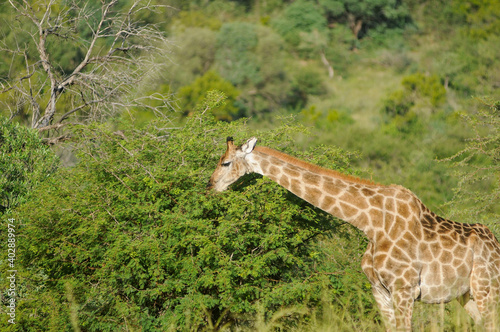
(384, 303)
(489, 311)
(471, 307)
(403, 307)
(486, 294)
(380, 293)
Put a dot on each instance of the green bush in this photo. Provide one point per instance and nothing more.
(477, 166)
(480, 16)
(300, 16)
(130, 238)
(369, 14)
(194, 94)
(325, 120)
(196, 19)
(398, 103)
(197, 57)
(306, 82)
(24, 162)
(236, 43)
(404, 109)
(426, 86)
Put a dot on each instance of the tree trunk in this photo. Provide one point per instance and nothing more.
(355, 25)
(331, 73)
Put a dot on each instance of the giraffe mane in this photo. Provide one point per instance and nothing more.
(311, 167)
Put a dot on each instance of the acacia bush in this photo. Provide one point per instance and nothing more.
(404, 110)
(130, 238)
(477, 167)
(24, 162)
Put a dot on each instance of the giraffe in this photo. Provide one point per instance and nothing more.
(412, 254)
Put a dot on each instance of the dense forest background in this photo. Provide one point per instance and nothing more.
(114, 114)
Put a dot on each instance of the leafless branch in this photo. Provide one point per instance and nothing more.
(55, 140)
(118, 55)
(54, 126)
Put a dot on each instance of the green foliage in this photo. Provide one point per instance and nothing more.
(325, 120)
(478, 168)
(24, 163)
(398, 103)
(192, 95)
(197, 57)
(271, 87)
(426, 86)
(307, 82)
(481, 16)
(150, 258)
(197, 19)
(235, 43)
(468, 64)
(246, 56)
(273, 90)
(369, 13)
(141, 243)
(312, 43)
(408, 123)
(403, 109)
(249, 57)
(300, 16)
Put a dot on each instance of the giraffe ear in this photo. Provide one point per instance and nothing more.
(249, 145)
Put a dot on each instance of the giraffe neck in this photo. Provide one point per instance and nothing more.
(331, 191)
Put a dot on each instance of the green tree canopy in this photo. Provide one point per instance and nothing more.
(481, 16)
(478, 168)
(236, 43)
(195, 57)
(194, 94)
(24, 162)
(133, 238)
(367, 14)
(300, 16)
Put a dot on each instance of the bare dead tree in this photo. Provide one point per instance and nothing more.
(118, 53)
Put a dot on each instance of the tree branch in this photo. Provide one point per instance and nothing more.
(103, 82)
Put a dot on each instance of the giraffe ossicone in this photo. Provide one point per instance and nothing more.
(412, 254)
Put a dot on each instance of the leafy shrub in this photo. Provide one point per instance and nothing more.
(325, 120)
(196, 19)
(480, 16)
(251, 57)
(368, 14)
(404, 124)
(24, 162)
(478, 168)
(194, 94)
(196, 58)
(235, 45)
(300, 16)
(131, 238)
(403, 108)
(427, 86)
(273, 88)
(306, 81)
(398, 103)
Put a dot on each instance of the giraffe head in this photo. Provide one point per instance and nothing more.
(232, 165)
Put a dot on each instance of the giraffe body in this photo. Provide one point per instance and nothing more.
(412, 254)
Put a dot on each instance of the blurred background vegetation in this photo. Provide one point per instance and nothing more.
(401, 92)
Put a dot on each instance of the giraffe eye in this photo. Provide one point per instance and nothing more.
(226, 164)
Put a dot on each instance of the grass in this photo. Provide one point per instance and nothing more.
(357, 94)
(331, 316)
